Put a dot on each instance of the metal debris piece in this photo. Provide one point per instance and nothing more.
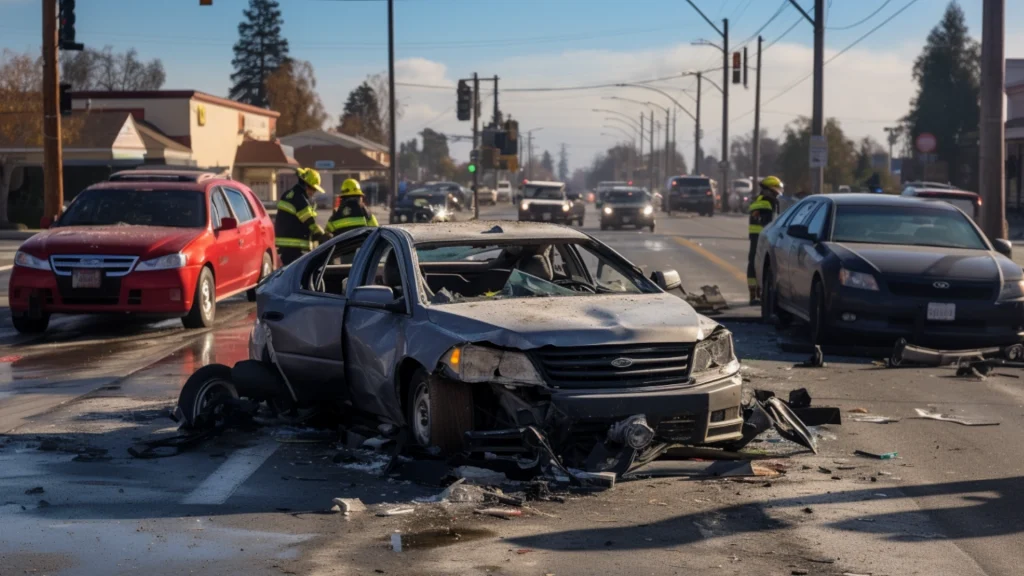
(860, 411)
(904, 354)
(879, 456)
(347, 505)
(710, 300)
(922, 413)
(396, 512)
(506, 513)
(875, 419)
(817, 359)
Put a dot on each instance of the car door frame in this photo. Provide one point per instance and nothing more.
(227, 271)
(307, 325)
(781, 253)
(250, 242)
(805, 260)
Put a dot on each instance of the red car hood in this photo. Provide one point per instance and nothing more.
(143, 241)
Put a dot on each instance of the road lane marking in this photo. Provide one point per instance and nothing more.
(220, 485)
(6, 268)
(733, 271)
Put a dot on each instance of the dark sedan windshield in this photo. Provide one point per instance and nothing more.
(173, 208)
(542, 192)
(905, 226)
(425, 198)
(627, 196)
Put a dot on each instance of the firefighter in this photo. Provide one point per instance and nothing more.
(762, 211)
(352, 212)
(295, 225)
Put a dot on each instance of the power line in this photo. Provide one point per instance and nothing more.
(861, 21)
(783, 35)
(780, 10)
(614, 84)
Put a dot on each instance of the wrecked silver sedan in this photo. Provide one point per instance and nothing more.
(470, 337)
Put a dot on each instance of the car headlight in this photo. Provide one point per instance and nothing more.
(167, 262)
(1012, 290)
(566, 207)
(608, 210)
(861, 280)
(524, 206)
(714, 357)
(471, 363)
(26, 260)
(648, 210)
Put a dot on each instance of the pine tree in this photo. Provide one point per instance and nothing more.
(259, 52)
(547, 163)
(563, 164)
(361, 116)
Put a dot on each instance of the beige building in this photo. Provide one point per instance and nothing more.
(375, 151)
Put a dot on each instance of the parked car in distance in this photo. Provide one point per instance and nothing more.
(969, 202)
(161, 243)
(627, 206)
(604, 187)
(843, 189)
(692, 194)
(423, 205)
(463, 197)
(487, 196)
(426, 329)
(879, 266)
(504, 191)
(549, 202)
(741, 195)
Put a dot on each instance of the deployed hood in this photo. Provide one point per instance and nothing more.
(127, 240)
(573, 320)
(930, 262)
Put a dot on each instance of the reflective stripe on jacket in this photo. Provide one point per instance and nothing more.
(351, 213)
(762, 211)
(295, 225)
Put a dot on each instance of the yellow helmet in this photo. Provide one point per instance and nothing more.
(773, 183)
(310, 177)
(350, 187)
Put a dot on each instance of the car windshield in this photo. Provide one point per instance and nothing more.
(543, 192)
(689, 184)
(425, 198)
(905, 226)
(173, 208)
(627, 196)
(479, 272)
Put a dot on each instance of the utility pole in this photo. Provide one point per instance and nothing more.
(393, 192)
(672, 164)
(650, 166)
(725, 104)
(53, 169)
(641, 159)
(991, 143)
(476, 144)
(817, 109)
(529, 153)
(757, 117)
(668, 122)
(696, 132)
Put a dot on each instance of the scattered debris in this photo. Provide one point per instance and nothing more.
(799, 572)
(396, 542)
(824, 470)
(714, 468)
(710, 300)
(481, 476)
(347, 505)
(860, 411)
(817, 359)
(808, 510)
(875, 419)
(502, 499)
(396, 512)
(926, 414)
(879, 456)
(505, 513)
(36, 490)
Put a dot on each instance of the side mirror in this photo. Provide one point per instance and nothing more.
(228, 224)
(800, 231)
(667, 279)
(380, 297)
(1004, 247)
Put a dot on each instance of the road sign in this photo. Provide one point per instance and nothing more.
(324, 164)
(926, 142)
(819, 152)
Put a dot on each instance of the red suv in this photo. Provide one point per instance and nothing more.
(159, 243)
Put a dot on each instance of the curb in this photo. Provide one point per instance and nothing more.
(17, 234)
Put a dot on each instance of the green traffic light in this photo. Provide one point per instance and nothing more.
(472, 168)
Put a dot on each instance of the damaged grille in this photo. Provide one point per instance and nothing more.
(633, 366)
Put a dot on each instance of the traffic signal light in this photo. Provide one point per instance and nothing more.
(472, 168)
(206, 2)
(65, 98)
(736, 67)
(66, 21)
(464, 97)
(510, 144)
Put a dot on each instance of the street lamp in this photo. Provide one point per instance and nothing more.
(633, 123)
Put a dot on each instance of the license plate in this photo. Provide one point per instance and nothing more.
(86, 278)
(546, 216)
(941, 312)
(627, 219)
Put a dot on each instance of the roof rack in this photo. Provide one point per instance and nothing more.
(166, 174)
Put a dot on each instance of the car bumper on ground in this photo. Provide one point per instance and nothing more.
(705, 414)
(975, 322)
(161, 292)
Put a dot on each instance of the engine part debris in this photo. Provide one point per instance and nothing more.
(36, 490)
(877, 455)
(929, 415)
(633, 432)
(710, 299)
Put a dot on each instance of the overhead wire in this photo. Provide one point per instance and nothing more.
(862, 20)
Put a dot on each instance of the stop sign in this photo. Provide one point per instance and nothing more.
(926, 142)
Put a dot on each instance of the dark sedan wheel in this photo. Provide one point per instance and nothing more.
(770, 311)
(818, 326)
(439, 412)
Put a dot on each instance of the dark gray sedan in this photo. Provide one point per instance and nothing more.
(487, 328)
(890, 267)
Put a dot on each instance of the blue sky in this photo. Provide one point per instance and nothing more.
(537, 43)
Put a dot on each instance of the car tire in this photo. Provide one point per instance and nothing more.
(27, 325)
(769, 306)
(203, 392)
(818, 325)
(266, 268)
(204, 303)
(439, 412)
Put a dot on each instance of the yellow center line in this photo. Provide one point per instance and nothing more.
(740, 275)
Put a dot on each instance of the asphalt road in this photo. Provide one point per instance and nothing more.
(253, 502)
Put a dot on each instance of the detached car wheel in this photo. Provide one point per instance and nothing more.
(439, 412)
(266, 268)
(203, 396)
(27, 325)
(204, 302)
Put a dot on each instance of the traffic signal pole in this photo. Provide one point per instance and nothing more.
(53, 169)
(392, 144)
(650, 165)
(476, 141)
(696, 132)
(757, 118)
(991, 142)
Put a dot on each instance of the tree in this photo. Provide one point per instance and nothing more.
(741, 154)
(563, 164)
(547, 164)
(379, 83)
(291, 90)
(795, 151)
(109, 71)
(260, 51)
(948, 73)
(434, 153)
(361, 116)
(409, 159)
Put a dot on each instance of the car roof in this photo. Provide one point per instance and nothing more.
(484, 231)
(627, 189)
(159, 185)
(868, 199)
(945, 191)
(544, 183)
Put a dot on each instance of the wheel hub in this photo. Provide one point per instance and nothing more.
(207, 298)
(421, 416)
